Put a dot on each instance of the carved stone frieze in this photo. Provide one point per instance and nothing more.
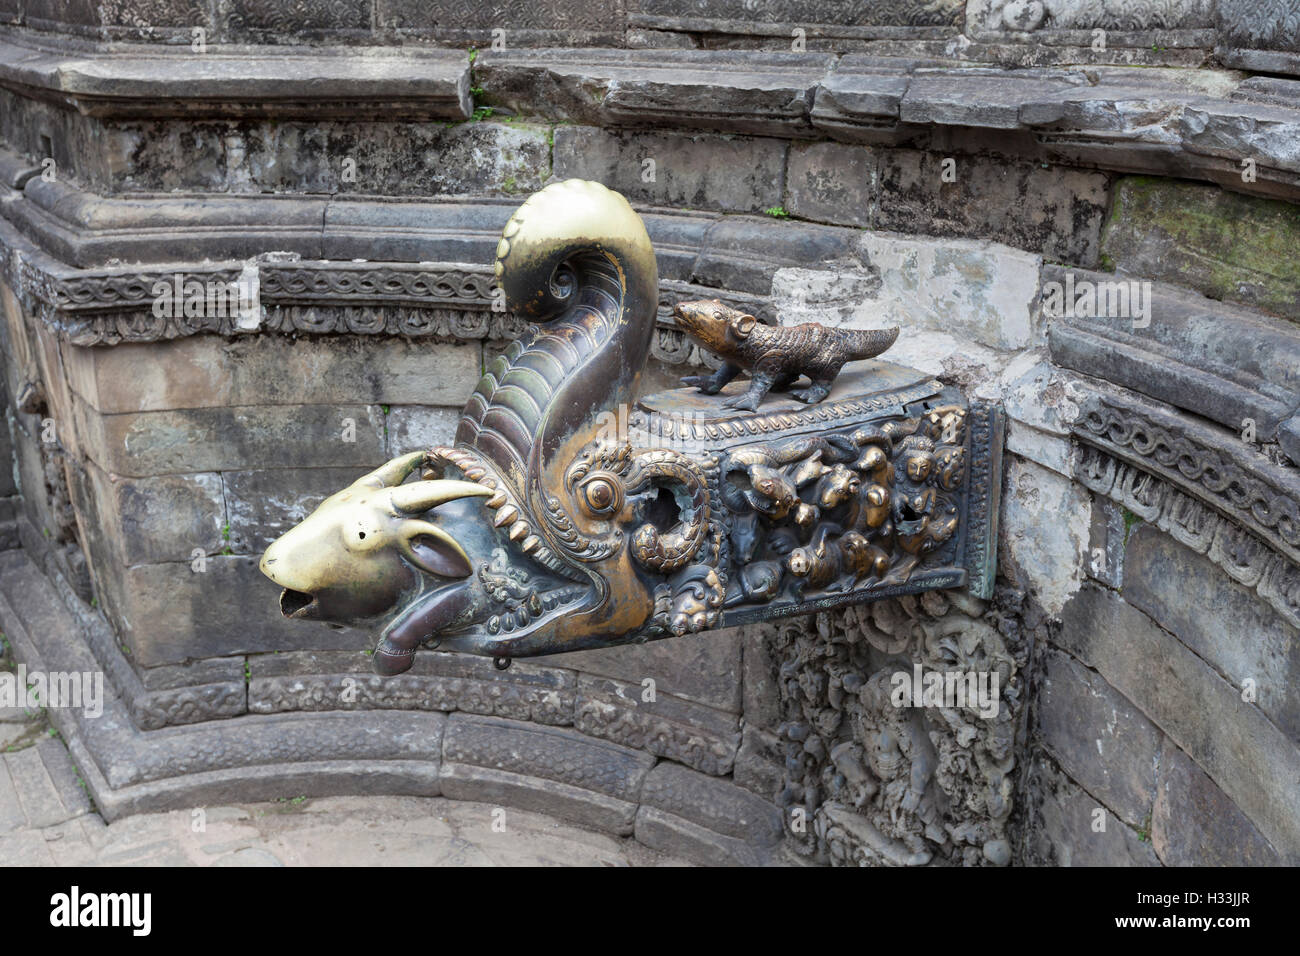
(1024, 16)
(871, 779)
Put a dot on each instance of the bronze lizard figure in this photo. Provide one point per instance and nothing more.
(774, 355)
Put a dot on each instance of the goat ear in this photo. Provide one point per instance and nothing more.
(432, 550)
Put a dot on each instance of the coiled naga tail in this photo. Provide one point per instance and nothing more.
(546, 533)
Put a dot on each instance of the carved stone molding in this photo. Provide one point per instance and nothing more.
(1243, 556)
(1221, 471)
(163, 81)
(836, 18)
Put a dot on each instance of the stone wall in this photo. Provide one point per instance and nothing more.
(1254, 34)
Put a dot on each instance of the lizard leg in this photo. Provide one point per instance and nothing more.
(759, 385)
(815, 392)
(712, 384)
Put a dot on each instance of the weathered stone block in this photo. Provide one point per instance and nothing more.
(699, 171)
(1169, 344)
(1233, 741)
(760, 670)
(202, 371)
(1232, 130)
(1262, 36)
(860, 98)
(1029, 20)
(1100, 739)
(1106, 543)
(167, 613)
(714, 820)
(832, 182)
(704, 668)
(986, 98)
(402, 159)
(542, 24)
(38, 787)
(81, 13)
(1223, 244)
(164, 518)
(417, 427)
(254, 21)
(1046, 522)
(743, 91)
(1073, 828)
(740, 254)
(29, 471)
(666, 726)
(1194, 823)
(982, 290)
(1222, 621)
(262, 505)
(1057, 212)
(414, 231)
(740, 16)
(759, 763)
(1041, 401)
(843, 294)
(164, 156)
(148, 17)
(233, 438)
(548, 770)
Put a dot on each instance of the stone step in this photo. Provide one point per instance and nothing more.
(428, 83)
(39, 788)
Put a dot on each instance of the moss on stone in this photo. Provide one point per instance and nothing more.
(1225, 245)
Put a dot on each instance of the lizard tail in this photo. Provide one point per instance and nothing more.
(868, 343)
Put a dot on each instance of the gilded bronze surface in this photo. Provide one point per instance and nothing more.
(565, 516)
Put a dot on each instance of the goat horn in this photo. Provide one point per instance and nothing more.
(420, 496)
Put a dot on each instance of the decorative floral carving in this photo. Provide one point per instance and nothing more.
(1266, 24)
